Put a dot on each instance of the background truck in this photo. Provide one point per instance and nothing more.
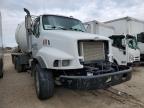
(100, 28)
(124, 46)
(131, 26)
(57, 49)
(1, 49)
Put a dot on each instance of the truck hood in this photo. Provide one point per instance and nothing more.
(76, 35)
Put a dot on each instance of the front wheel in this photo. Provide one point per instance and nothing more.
(44, 83)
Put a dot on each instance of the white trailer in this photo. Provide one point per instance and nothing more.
(1, 49)
(131, 26)
(123, 54)
(100, 28)
(57, 48)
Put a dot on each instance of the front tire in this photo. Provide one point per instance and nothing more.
(44, 83)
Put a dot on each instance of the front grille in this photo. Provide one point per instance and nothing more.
(92, 50)
(136, 58)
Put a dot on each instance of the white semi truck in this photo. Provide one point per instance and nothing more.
(124, 46)
(1, 49)
(57, 49)
(133, 27)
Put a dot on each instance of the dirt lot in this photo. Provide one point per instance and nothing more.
(17, 91)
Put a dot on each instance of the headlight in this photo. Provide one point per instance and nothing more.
(65, 62)
(59, 63)
(131, 58)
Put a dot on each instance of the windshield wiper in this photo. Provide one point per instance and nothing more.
(59, 27)
(56, 27)
(75, 29)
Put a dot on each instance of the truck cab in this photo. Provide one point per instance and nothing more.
(125, 49)
(131, 26)
(58, 49)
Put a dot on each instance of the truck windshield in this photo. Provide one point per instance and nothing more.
(59, 22)
(132, 43)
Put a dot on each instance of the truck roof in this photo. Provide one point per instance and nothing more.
(124, 18)
(100, 23)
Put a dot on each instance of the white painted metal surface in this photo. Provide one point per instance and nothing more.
(127, 25)
(99, 28)
(120, 26)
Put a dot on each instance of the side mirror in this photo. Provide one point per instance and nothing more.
(37, 31)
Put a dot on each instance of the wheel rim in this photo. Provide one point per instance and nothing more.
(37, 83)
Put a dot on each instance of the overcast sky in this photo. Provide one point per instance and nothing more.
(85, 10)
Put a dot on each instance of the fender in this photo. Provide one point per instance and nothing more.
(41, 62)
(115, 61)
(47, 55)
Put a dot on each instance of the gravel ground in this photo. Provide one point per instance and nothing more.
(17, 91)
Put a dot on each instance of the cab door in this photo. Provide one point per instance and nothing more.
(119, 50)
